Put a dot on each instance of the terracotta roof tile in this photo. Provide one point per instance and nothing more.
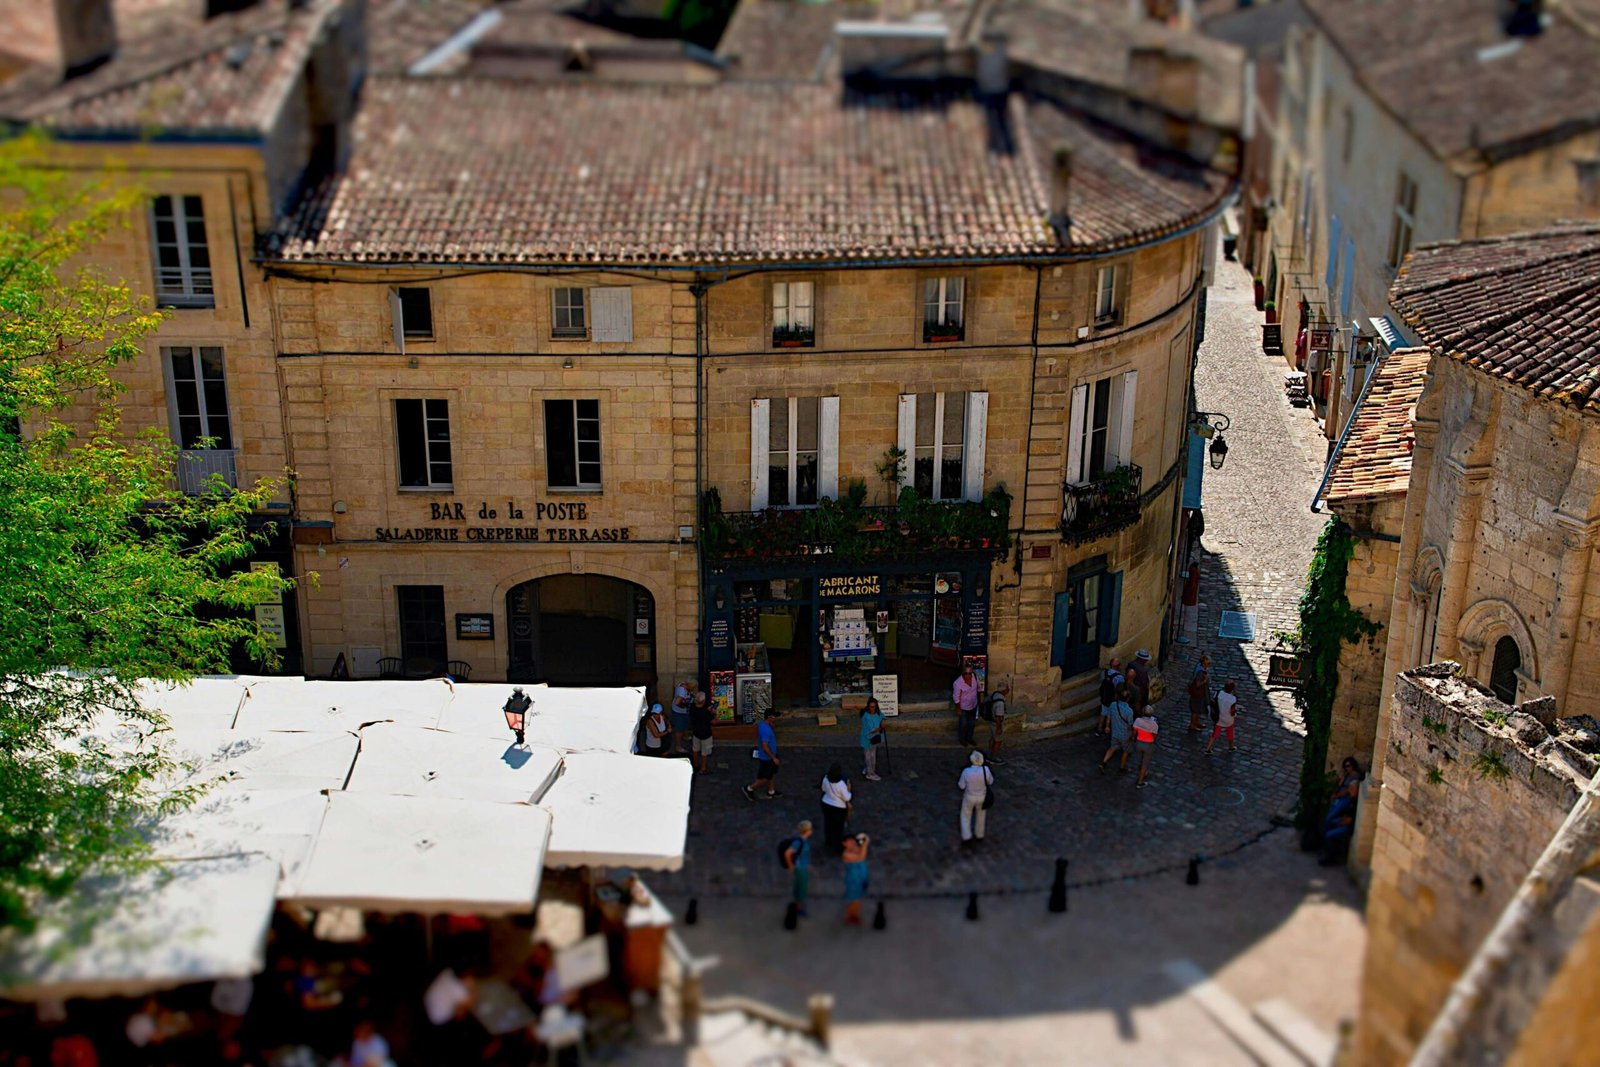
(473, 170)
(1375, 459)
(1524, 308)
(400, 32)
(1449, 72)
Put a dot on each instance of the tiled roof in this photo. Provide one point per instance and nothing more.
(1375, 459)
(1524, 308)
(400, 32)
(1448, 71)
(791, 40)
(1090, 41)
(227, 75)
(479, 171)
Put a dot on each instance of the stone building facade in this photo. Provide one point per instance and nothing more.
(1368, 167)
(506, 414)
(1503, 780)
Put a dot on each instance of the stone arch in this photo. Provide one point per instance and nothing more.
(1428, 569)
(1486, 622)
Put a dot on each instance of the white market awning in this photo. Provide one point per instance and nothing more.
(186, 922)
(572, 720)
(312, 760)
(407, 761)
(611, 810)
(211, 702)
(426, 855)
(279, 823)
(301, 704)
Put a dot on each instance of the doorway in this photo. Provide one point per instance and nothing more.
(581, 630)
(1087, 617)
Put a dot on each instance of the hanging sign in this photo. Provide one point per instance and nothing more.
(1284, 672)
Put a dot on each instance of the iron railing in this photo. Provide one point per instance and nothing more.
(1101, 505)
(196, 466)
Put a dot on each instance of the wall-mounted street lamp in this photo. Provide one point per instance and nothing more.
(1209, 425)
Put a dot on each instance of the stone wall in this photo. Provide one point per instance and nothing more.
(1532, 190)
(1473, 791)
(1369, 584)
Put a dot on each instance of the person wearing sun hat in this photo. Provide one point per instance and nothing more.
(1139, 680)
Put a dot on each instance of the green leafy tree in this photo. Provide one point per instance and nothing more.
(107, 575)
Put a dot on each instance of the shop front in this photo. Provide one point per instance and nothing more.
(815, 632)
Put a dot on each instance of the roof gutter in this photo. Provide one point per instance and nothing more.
(1040, 258)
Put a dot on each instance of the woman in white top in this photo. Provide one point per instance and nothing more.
(835, 809)
(656, 732)
(974, 784)
(1227, 713)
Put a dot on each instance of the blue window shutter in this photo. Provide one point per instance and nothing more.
(1058, 634)
(1344, 299)
(1194, 480)
(1110, 607)
(1333, 256)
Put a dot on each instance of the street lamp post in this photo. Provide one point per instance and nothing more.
(516, 709)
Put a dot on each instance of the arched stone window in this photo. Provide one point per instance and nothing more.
(1503, 671)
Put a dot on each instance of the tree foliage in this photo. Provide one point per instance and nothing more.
(107, 575)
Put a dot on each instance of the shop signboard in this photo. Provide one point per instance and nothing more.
(270, 615)
(474, 626)
(975, 632)
(886, 688)
(1284, 672)
(722, 695)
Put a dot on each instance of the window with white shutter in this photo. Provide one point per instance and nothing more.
(794, 451)
(183, 258)
(611, 308)
(1100, 426)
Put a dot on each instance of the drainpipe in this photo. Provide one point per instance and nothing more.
(699, 289)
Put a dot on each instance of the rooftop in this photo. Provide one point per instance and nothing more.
(1523, 308)
(489, 171)
(1375, 459)
(400, 32)
(1449, 72)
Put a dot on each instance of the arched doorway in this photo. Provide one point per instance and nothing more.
(1503, 671)
(581, 630)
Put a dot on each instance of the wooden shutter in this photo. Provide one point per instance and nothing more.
(612, 309)
(828, 447)
(1110, 608)
(760, 424)
(1130, 385)
(1076, 457)
(397, 319)
(1058, 629)
(972, 455)
(907, 437)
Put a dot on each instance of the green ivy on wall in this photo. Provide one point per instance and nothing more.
(1327, 623)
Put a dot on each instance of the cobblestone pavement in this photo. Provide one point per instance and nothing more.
(1051, 799)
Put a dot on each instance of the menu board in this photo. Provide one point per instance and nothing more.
(886, 688)
(975, 627)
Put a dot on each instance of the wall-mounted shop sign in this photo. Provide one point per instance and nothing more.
(454, 511)
(474, 626)
(1284, 671)
(848, 585)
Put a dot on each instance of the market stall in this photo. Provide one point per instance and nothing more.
(411, 761)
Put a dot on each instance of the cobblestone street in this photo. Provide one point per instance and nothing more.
(1051, 799)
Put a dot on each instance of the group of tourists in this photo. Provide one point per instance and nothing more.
(1129, 720)
(686, 733)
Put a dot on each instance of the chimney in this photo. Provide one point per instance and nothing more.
(1525, 19)
(1060, 187)
(1168, 80)
(994, 67)
(73, 35)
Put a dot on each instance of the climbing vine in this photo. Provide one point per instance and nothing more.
(1327, 623)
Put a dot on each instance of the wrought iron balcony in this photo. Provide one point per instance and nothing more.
(196, 466)
(1102, 505)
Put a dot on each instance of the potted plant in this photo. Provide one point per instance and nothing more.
(892, 470)
(1271, 308)
(1261, 291)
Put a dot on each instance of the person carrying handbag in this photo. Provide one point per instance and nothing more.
(871, 738)
(977, 791)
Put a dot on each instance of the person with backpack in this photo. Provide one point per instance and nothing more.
(974, 783)
(795, 852)
(1224, 711)
(1121, 729)
(1199, 693)
(1110, 678)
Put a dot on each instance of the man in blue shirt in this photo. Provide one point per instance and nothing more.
(797, 857)
(767, 752)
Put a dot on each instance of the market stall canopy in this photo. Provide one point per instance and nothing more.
(184, 922)
(572, 720)
(426, 855)
(211, 702)
(279, 823)
(310, 760)
(407, 761)
(612, 810)
(302, 704)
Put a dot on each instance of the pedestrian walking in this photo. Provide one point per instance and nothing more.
(1199, 693)
(995, 712)
(871, 738)
(766, 752)
(682, 700)
(965, 695)
(1121, 729)
(657, 733)
(855, 876)
(1139, 681)
(797, 860)
(836, 798)
(1145, 729)
(1110, 678)
(1225, 714)
(974, 783)
(700, 733)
